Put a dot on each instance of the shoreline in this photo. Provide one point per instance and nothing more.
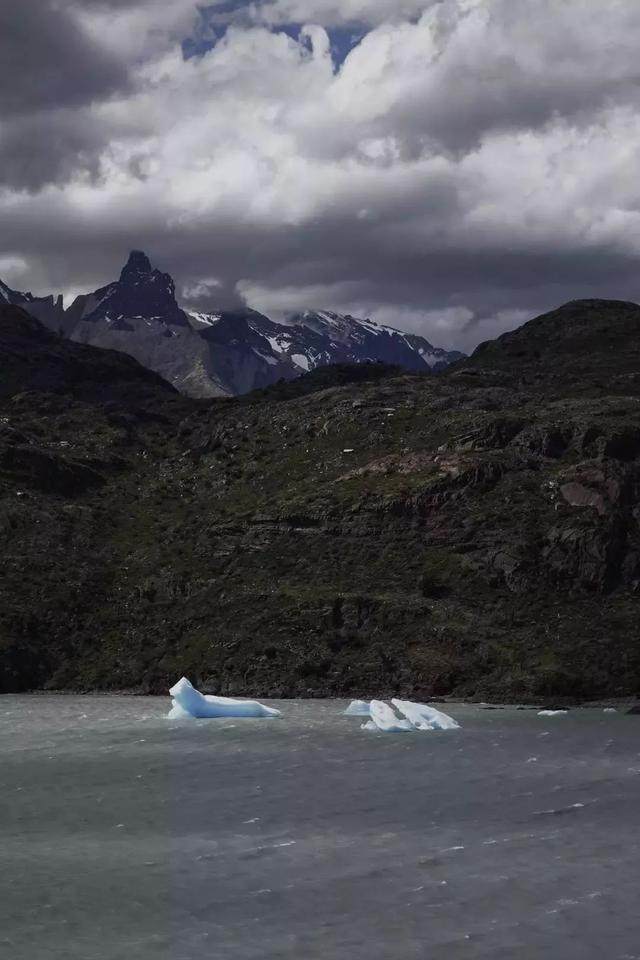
(621, 704)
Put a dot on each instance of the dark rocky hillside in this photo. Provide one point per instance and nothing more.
(471, 534)
(587, 347)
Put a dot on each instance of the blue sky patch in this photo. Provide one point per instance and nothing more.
(214, 22)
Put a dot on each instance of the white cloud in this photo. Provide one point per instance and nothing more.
(337, 12)
(12, 269)
(469, 162)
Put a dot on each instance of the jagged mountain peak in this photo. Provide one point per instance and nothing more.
(142, 293)
(136, 267)
(138, 272)
(49, 310)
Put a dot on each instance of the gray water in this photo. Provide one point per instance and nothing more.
(124, 835)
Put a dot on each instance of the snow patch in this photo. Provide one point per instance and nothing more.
(276, 343)
(300, 360)
(372, 327)
(431, 358)
(267, 357)
(205, 319)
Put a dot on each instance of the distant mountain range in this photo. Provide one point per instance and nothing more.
(220, 353)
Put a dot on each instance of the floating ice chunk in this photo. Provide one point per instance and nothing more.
(609, 710)
(178, 713)
(384, 719)
(192, 703)
(424, 717)
(416, 716)
(358, 708)
(551, 713)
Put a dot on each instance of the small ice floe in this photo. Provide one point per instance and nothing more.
(384, 719)
(358, 708)
(551, 713)
(424, 717)
(409, 717)
(189, 703)
(609, 710)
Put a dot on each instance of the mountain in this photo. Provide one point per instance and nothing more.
(49, 310)
(586, 346)
(356, 531)
(138, 315)
(232, 351)
(34, 360)
(312, 339)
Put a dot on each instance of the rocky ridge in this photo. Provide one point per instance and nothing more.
(49, 310)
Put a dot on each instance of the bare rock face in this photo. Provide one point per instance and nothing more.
(577, 495)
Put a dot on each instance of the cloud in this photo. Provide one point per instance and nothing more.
(327, 13)
(52, 148)
(469, 163)
(47, 60)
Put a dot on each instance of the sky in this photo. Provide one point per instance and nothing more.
(450, 167)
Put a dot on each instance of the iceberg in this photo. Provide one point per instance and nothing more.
(414, 716)
(189, 703)
(551, 713)
(178, 713)
(424, 717)
(384, 719)
(358, 708)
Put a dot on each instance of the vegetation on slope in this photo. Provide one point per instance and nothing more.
(355, 533)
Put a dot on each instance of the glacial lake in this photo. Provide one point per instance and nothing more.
(124, 836)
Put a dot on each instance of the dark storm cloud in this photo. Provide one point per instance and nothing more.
(51, 72)
(48, 61)
(45, 148)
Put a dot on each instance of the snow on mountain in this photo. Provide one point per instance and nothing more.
(347, 339)
(200, 320)
(225, 352)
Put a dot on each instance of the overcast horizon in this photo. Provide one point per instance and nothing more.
(451, 168)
